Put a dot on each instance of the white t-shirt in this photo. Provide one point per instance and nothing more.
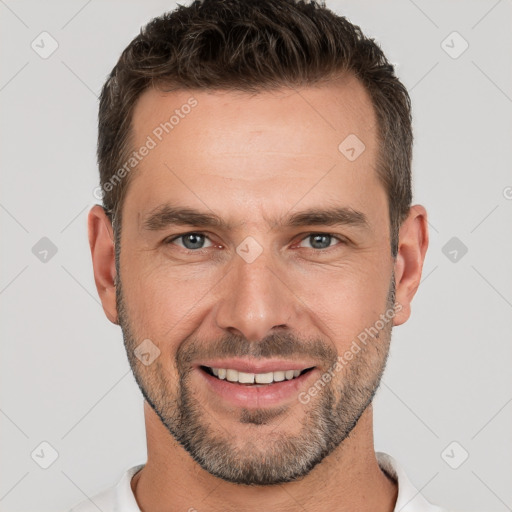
(120, 498)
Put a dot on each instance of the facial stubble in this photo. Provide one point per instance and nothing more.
(325, 421)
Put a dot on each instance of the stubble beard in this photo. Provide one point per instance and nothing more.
(325, 421)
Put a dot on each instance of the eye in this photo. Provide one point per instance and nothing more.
(195, 241)
(191, 241)
(322, 240)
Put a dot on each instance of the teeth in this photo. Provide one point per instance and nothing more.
(245, 378)
(264, 378)
(254, 378)
(232, 375)
(278, 376)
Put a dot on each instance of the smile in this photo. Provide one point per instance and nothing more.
(255, 385)
(254, 379)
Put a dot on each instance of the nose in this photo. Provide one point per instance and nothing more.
(254, 299)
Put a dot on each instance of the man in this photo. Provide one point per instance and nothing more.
(256, 244)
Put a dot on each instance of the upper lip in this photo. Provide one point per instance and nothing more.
(257, 366)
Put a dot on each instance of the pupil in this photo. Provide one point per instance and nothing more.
(320, 236)
(193, 236)
(319, 241)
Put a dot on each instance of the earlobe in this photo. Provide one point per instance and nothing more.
(101, 242)
(412, 247)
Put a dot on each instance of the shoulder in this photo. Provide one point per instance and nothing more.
(115, 498)
(409, 498)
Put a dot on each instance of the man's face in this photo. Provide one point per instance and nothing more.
(259, 295)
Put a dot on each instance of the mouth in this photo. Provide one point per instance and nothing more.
(254, 379)
(255, 385)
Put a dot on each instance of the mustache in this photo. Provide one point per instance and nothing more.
(276, 345)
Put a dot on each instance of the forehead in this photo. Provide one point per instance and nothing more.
(286, 118)
(254, 151)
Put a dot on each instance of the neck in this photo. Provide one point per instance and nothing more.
(348, 479)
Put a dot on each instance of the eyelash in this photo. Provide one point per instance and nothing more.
(342, 241)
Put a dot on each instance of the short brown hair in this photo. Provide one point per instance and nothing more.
(253, 46)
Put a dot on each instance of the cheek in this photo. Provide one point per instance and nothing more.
(170, 301)
(163, 302)
(346, 300)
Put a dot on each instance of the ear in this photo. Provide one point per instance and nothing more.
(412, 247)
(101, 241)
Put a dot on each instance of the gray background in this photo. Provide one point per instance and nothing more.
(64, 375)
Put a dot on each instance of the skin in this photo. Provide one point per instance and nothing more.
(249, 158)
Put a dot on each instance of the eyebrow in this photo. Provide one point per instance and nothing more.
(168, 215)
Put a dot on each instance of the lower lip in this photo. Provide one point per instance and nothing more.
(257, 397)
